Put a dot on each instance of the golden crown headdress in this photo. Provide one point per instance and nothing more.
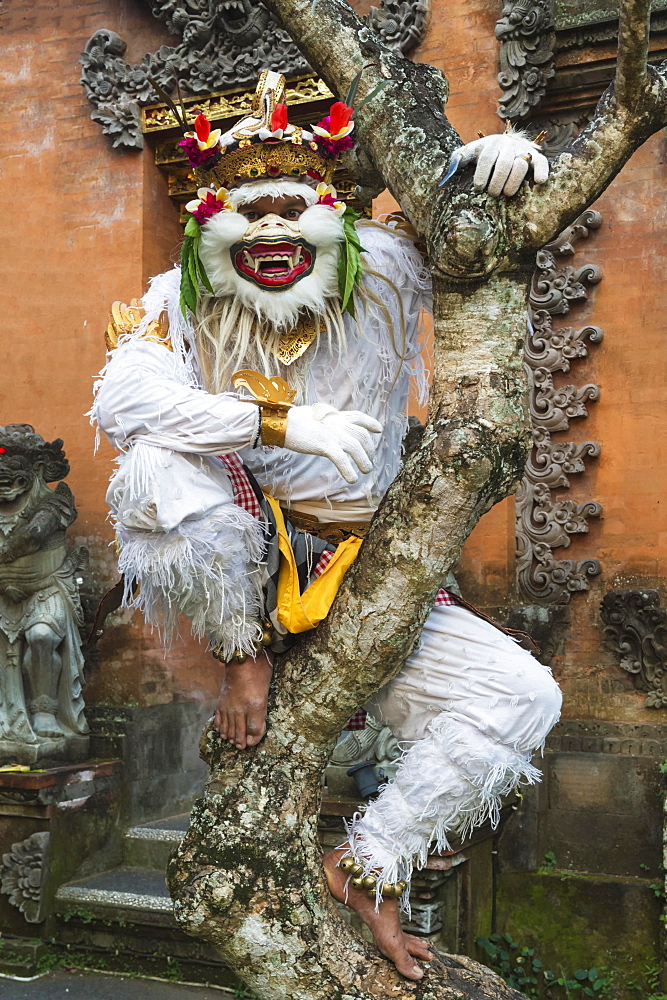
(265, 144)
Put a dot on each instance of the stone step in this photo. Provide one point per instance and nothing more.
(129, 893)
(123, 920)
(152, 844)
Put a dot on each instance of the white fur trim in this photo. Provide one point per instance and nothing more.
(279, 188)
(202, 570)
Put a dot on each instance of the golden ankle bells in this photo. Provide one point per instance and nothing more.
(238, 656)
(390, 890)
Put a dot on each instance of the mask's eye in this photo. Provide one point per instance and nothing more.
(291, 213)
(252, 216)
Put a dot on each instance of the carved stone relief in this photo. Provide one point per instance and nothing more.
(224, 44)
(527, 53)
(23, 875)
(544, 522)
(637, 627)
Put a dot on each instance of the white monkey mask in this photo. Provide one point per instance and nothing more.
(278, 268)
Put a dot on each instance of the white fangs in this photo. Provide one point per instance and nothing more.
(289, 260)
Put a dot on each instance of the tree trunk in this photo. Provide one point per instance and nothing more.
(248, 875)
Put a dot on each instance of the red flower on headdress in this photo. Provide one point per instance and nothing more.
(202, 128)
(279, 118)
(333, 132)
(339, 118)
(202, 143)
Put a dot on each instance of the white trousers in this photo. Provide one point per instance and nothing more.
(470, 707)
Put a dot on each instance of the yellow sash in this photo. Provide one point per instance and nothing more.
(299, 612)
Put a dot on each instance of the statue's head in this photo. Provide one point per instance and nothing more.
(25, 457)
(268, 229)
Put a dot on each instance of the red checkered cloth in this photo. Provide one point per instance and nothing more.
(322, 563)
(358, 720)
(443, 599)
(244, 495)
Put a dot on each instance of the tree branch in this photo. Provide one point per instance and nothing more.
(471, 455)
(628, 113)
(633, 35)
(404, 130)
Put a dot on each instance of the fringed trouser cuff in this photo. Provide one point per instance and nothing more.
(450, 782)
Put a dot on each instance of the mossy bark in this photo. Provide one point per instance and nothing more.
(248, 876)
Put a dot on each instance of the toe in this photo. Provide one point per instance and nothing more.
(418, 947)
(393, 947)
(255, 729)
(239, 735)
(406, 965)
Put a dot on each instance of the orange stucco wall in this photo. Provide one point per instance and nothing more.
(86, 224)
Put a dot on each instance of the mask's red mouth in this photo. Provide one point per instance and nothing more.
(273, 263)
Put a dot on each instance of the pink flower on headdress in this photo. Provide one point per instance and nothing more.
(333, 132)
(202, 146)
(208, 203)
(327, 196)
(199, 157)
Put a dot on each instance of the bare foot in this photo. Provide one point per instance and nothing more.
(240, 715)
(384, 924)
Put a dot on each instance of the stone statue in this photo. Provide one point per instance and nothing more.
(376, 744)
(41, 663)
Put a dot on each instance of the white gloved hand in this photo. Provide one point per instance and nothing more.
(343, 436)
(502, 162)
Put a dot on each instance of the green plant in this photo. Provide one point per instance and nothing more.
(549, 863)
(241, 993)
(589, 981)
(658, 889)
(517, 966)
(520, 968)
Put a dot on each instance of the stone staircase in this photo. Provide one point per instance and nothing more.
(121, 920)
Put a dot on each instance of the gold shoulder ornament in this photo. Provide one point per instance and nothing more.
(124, 319)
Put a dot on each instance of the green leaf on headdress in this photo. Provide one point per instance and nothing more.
(350, 267)
(352, 92)
(192, 227)
(188, 292)
(180, 118)
(192, 270)
(203, 276)
(189, 282)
